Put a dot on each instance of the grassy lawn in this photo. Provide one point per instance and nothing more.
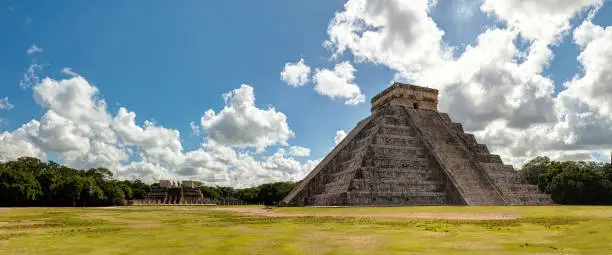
(371, 230)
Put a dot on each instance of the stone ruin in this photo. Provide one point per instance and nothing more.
(407, 153)
(168, 192)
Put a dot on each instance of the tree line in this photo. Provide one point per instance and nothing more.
(30, 182)
(571, 182)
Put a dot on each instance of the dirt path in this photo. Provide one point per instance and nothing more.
(413, 215)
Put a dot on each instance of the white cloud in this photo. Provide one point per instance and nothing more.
(295, 74)
(594, 88)
(17, 143)
(68, 71)
(78, 127)
(340, 135)
(157, 144)
(195, 129)
(33, 49)
(30, 76)
(338, 83)
(396, 33)
(242, 124)
(5, 104)
(537, 19)
(299, 151)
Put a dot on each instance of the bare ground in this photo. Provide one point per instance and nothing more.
(414, 215)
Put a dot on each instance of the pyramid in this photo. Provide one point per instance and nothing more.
(407, 153)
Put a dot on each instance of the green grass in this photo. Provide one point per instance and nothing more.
(200, 230)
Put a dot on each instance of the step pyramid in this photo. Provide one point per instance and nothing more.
(407, 153)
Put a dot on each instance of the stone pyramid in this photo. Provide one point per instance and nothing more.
(407, 153)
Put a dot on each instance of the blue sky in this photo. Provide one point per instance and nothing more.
(171, 61)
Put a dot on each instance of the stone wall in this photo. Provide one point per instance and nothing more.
(411, 96)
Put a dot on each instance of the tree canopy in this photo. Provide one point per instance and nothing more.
(571, 182)
(31, 182)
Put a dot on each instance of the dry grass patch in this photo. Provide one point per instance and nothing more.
(262, 212)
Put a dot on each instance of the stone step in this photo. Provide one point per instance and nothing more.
(469, 138)
(349, 153)
(478, 198)
(481, 148)
(329, 199)
(390, 151)
(418, 163)
(393, 186)
(420, 175)
(396, 198)
(399, 180)
(394, 120)
(489, 158)
(348, 173)
(396, 140)
(396, 130)
(361, 140)
(352, 163)
(445, 117)
(405, 174)
(367, 131)
(518, 188)
(533, 199)
(340, 185)
(457, 127)
(498, 168)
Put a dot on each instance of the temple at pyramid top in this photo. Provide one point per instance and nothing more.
(412, 96)
(408, 153)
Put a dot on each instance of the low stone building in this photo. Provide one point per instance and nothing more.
(407, 153)
(168, 192)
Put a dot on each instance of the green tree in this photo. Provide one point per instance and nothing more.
(17, 187)
(533, 168)
(576, 185)
(113, 193)
(210, 192)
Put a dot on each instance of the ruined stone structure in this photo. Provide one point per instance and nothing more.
(407, 153)
(169, 192)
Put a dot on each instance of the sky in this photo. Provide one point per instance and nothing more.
(241, 93)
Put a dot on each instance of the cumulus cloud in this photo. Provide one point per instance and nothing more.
(78, 127)
(242, 124)
(295, 74)
(17, 143)
(339, 83)
(536, 19)
(33, 49)
(5, 105)
(594, 87)
(299, 151)
(396, 33)
(340, 135)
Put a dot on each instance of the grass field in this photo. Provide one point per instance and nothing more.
(253, 230)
